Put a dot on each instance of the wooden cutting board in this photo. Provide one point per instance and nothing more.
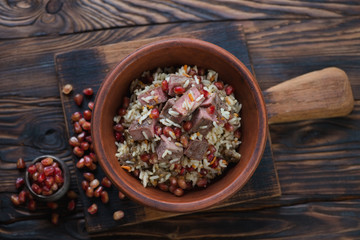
(88, 67)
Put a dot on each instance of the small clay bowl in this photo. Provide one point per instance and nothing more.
(177, 52)
(61, 191)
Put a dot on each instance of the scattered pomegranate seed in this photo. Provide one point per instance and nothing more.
(77, 127)
(15, 199)
(81, 121)
(118, 215)
(89, 192)
(153, 158)
(119, 137)
(184, 141)
(126, 102)
(86, 126)
(98, 191)
(67, 89)
(229, 127)
(78, 151)
(52, 205)
(104, 197)
(106, 182)
(80, 163)
(122, 111)
(31, 205)
(219, 85)
(121, 195)
(22, 196)
(55, 218)
(167, 131)
(89, 176)
(92, 209)
(81, 137)
(92, 167)
(71, 205)
(211, 109)
(145, 157)
(32, 169)
(187, 126)
(74, 142)
(91, 105)
(75, 117)
(78, 98)
(237, 134)
(179, 90)
(164, 85)
(84, 146)
(94, 183)
(88, 138)
(229, 90)
(119, 127)
(84, 185)
(204, 92)
(47, 161)
(88, 161)
(72, 194)
(93, 156)
(19, 182)
(177, 132)
(20, 164)
(88, 92)
(158, 130)
(154, 114)
(87, 115)
(203, 172)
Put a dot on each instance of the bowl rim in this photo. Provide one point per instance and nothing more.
(195, 205)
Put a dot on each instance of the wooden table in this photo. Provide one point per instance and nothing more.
(318, 161)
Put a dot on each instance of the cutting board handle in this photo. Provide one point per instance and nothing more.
(320, 94)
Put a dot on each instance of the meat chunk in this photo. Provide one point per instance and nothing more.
(196, 149)
(142, 131)
(215, 100)
(152, 97)
(203, 121)
(168, 150)
(188, 102)
(178, 81)
(167, 109)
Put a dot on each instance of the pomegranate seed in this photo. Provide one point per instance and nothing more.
(153, 158)
(59, 179)
(202, 182)
(84, 185)
(88, 161)
(178, 192)
(81, 137)
(31, 205)
(49, 181)
(187, 126)
(22, 196)
(229, 127)
(47, 161)
(121, 195)
(215, 164)
(182, 183)
(55, 164)
(119, 137)
(57, 171)
(91, 105)
(164, 85)
(88, 91)
(35, 176)
(204, 92)
(71, 205)
(92, 209)
(74, 142)
(94, 183)
(81, 121)
(229, 90)
(122, 111)
(119, 128)
(145, 157)
(126, 102)
(203, 172)
(163, 187)
(36, 188)
(98, 191)
(89, 176)
(32, 169)
(178, 90)
(154, 114)
(39, 167)
(80, 163)
(210, 157)
(182, 171)
(173, 181)
(49, 170)
(211, 109)
(167, 131)
(77, 127)
(20, 164)
(177, 132)
(72, 194)
(93, 156)
(89, 192)
(84, 146)
(219, 85)
(106, 182)
(158, 130)
(237, 134)
(78, 151)
(41, 177)
(55, 187)
(55, 218)
(118, 215)
(78, 98)
(67, 89)
(212, 149)
(104, 197)
(86, 126)
(15, 199)
(92, 167)
(184, 141)
(192, 72)
(19, 182)
(87, 115)
(201, 71)
(88, 139)
(75, 117)
(52, 205)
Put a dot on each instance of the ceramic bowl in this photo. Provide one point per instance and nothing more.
(176, 52)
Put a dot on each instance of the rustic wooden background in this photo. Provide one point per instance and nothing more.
(318, 161)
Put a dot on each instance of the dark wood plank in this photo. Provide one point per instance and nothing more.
(38, 18)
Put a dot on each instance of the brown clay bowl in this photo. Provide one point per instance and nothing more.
(175, 52)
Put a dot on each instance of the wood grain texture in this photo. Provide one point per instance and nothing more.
(37, 18)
